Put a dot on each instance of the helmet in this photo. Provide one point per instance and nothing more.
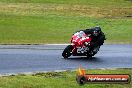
(96, 31)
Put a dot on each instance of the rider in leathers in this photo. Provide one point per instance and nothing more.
(97, 36)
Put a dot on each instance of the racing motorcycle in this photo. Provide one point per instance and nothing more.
(80, 46)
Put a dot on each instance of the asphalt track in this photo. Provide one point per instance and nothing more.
(37, 58)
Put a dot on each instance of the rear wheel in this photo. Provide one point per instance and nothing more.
(93, 52)
(89, 55)
(67, 51)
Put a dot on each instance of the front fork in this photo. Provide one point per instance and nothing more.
(74, 48)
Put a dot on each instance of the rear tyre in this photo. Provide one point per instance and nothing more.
(93, 52)
(67, 51)
(96, 49)
(89, 56)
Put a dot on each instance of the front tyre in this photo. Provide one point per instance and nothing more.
(67, 51)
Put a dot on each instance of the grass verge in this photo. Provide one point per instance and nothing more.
(54, 21)
(59, 79)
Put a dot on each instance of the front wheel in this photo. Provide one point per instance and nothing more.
(67, 51)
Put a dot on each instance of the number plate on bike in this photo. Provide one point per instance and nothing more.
(82, 49)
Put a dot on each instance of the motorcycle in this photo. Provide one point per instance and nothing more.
(80, 46)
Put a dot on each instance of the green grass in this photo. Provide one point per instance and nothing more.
(59, 79)
(82, 2)
(54, 21)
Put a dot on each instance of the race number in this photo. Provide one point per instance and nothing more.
(82, 49)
